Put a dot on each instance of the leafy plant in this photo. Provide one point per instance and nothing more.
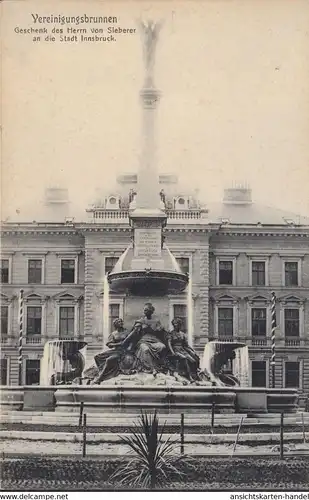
(155, 458)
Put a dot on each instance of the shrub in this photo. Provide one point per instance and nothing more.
(154, 461)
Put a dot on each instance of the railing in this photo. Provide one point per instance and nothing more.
(292, 341)
(259, 341)
(69, 337)
(33, 339)
(183, 214)
(111, 214)
(120, 214)
(7, 339)
(263, 341)
(222, 338)
(10, 340)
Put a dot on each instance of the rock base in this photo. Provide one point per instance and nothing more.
(149, 379)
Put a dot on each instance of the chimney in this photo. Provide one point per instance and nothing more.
(240, 194)
(56, 201)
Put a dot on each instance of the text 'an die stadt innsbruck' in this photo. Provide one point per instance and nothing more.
(73, 29)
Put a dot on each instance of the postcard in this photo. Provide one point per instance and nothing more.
(155, 247)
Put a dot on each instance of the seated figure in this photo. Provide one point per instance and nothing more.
(109, 361)
(184, 359)
(148, 339)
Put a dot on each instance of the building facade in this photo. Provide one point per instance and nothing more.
(235, 252)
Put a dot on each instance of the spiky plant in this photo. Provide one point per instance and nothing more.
(154, 458)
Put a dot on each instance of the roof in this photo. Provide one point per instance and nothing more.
(252, 213)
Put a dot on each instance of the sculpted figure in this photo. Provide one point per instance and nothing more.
(150, 32)
(148, 339)
(225, 372)
(184, 359)
(70, 363)
(109, 361)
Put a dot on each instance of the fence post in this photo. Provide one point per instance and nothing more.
(213, 406)
(237, 435)
(281, 436)
(182, 434)
(303, 422)
(84, 435)
(81, 411)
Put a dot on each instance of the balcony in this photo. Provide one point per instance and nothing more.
(33, 339)
(185, 214)
(7, 339)
(292, 341)
(223, 338)
(122, 215)
(69, 337)
(259, 340)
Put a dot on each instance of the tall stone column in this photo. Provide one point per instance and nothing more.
(148, 218)
(148, 199)
(148, 178)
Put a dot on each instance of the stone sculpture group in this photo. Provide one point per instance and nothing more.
(146, 348)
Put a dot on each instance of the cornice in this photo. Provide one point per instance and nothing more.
(33, 231)
(205, 228)
(37, 253)
(273, 233)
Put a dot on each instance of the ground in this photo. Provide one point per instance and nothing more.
(204, 474)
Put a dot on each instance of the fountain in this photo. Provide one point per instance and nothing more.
(63, 361)
(146, 365)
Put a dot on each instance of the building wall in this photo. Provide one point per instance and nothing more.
(203, 249)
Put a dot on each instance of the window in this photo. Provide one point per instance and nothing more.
(32, 371)
(67, 271)
(258, 373)
(225, 272)
(66, 321)
(4, 320)
(291, 273)
(258, 321)
(35, 271)
(291, 322)
(225, 322)
(258, 273)
(114, 313)
(34, 320)
(5, 264)
(292, 374)
(4, 371)
(110, 263)
(180, 311)
(184, 264)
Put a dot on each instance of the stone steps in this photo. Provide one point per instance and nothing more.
(169, 418)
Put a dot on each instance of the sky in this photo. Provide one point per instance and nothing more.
(234, 108)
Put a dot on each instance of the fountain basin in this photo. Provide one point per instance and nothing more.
(128, 399)
(122, 399)
(198, 399)
(148, 282)
(11, 398)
